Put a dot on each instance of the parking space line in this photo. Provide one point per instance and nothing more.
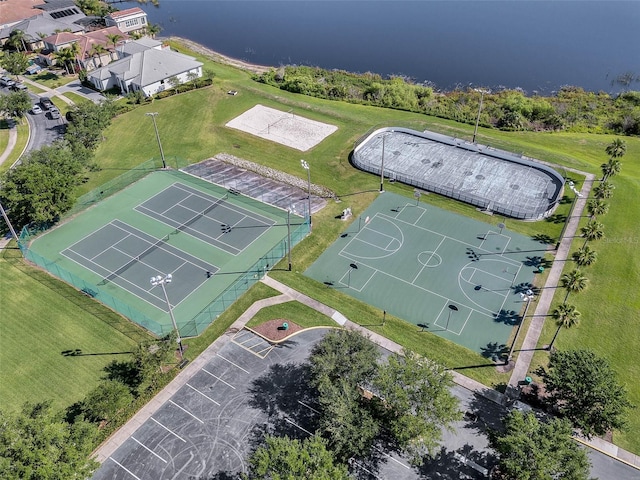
(217, 378)
(125, 469)
(147, 448)
(173, 433)
(359, 465)
(392, 458)
(185, 411)
(227, 360)
(310, 408)
(205, 396)
(296, 425)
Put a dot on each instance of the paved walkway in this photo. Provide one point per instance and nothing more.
(525, 355)
(13, 138)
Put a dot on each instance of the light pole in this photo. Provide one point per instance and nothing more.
(6, 219)
(475, 131)
(155, 126)
(162, 280)
(352, 267)
(452, 308)
(384, 135)
(524, 315)
(305, 165)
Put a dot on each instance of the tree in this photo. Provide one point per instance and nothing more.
(15, 63)
(593, 230)
(104, 402)
(87, 121)
(97, 50)
(616, 149)
(17, 39)
(42, 187)
(584, 389)
(565, 316)
(15, 104)
(153, 29)
(67, 56)
(603, 190)
(611, 168)
(585, 256)
(290, 459)
(597, 207)
(114, 38)
(149, 359)
(573, 282)
(36, 444)
(417, 402)
(532, 450)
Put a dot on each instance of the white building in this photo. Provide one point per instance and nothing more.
(129, 20)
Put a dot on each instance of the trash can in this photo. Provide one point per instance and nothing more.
(540, 269)
(285, 326)
(528, 380)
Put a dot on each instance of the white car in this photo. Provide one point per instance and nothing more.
(36, 110)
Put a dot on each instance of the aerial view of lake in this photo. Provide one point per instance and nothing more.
(535, 45)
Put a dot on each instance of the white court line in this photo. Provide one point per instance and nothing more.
(227, 360)
(147, 449)
(359, 465)
(185, 411)
(125, 468)
(309, 407)
(392, 458)
(218, 378)
(298, 426)
(171, 432)
(205, 396)
(435, 252)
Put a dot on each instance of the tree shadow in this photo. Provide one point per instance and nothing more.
(508, 317)
(223, 476)
(556, 218)
(495, 351)
(456, 464)
(543, 238)
(284, 393)
(125, 372)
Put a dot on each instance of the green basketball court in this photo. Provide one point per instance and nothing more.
(169, 222)
(449, 275)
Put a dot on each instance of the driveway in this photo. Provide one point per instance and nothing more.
(77, 88)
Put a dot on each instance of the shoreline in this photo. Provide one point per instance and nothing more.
(219, 57)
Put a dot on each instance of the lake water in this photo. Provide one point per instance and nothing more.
(535, 45)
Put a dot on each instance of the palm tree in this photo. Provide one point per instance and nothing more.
(153, 29)
(604, 190)
(114, 38)
(592, 231)
(17, 39)
(597, 207)
(611, 168)
(65, 56)
(97, 50)
(574, 281)
(585, 256)
(616, 149)
(565, 316)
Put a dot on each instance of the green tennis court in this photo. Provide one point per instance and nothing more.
(459, 278)
(167, 223)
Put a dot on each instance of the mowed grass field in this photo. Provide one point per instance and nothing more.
(42, 319)
(191, 126)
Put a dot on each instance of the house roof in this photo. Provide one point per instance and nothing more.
(12, 11)
(126, 13)
(148, 67)
(39, 24)
(139, 45)
(86, 41)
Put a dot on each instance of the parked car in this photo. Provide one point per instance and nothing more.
(6, 82)
(20, 87)
(36, 110)
(46, 103)
(55, 113)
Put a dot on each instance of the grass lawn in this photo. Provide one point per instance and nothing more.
(295, 312)
(51, 79)
(23, 138)
(75, 98)
(191, 126)
(41, 319)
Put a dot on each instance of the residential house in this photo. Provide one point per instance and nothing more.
(150, 71)
(95, 49)
(129, 20)
(14, 11)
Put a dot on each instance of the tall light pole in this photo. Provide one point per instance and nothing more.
(452, 308)
(305, 165)
(524, 315)
(155, 126)
(475, 131)
(162, 280)
(6, 219)
(384, 135)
